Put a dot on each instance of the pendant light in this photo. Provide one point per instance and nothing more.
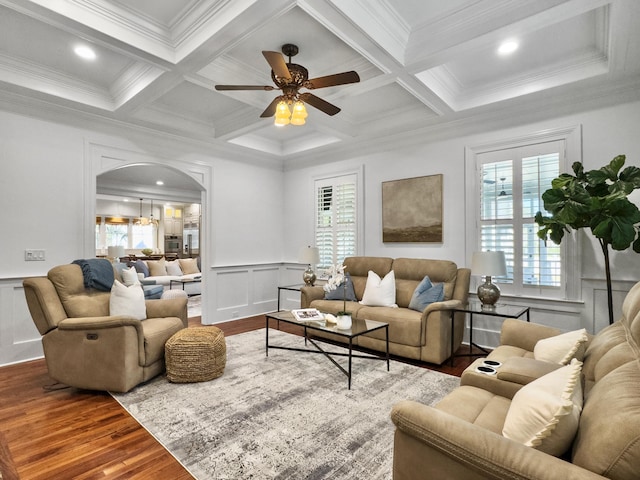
(141, 220)
(152, 220)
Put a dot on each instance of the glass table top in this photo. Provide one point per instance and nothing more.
(358, 326)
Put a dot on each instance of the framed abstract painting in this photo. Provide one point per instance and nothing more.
(412, 210)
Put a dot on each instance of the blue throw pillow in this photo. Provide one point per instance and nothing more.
(340, 293)
(141, 267)
(425, 294)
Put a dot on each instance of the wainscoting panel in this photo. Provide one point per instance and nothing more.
(590, 313)
(598, 311)
(263, 280)
(240, 291)
(232, 288)
(19, 338)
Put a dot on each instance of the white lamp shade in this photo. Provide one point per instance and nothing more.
(115, 251)
(309, 255)
(488, 264)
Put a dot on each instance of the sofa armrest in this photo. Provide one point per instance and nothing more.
(98, 323)
(513, 374)
(168, 307)
(309, 294)
(519, 333)
(524, 370)
(430, 443)
(93, 324)
(444, 305)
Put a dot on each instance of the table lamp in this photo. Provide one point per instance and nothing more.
(115, 252)
(488, 264)
(310, 256)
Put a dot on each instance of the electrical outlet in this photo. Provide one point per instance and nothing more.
(34, 255)
(234, 314)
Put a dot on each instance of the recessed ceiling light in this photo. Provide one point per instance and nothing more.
(507, 47)
(159, 182)
(85, 52)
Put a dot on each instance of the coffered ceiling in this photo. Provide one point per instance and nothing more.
(426, 66)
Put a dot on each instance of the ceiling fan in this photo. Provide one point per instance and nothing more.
(290, 78)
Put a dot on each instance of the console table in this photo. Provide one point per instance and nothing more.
(501, 310)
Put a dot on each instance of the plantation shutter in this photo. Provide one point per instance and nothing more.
(336, 222)
(512, 182)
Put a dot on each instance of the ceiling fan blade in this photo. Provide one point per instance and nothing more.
(277, 63)
(333, 80)
(244, 87)
(319, 103)
(271, 109)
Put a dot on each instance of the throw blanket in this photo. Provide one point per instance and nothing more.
(97, 272)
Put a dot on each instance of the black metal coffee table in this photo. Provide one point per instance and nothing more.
(358, 327)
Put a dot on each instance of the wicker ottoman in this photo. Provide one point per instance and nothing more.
(195, 354)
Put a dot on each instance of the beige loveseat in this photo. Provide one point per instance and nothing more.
(417, 335)
(84, 346)
(461, 438)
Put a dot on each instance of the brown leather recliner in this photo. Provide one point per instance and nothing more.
(84, 346)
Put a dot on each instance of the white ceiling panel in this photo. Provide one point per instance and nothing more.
(423, 64)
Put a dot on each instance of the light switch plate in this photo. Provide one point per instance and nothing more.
(34, 255)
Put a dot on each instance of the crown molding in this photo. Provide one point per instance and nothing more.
(31, 76)
(380, 22)
(132, 81)
(116, 22)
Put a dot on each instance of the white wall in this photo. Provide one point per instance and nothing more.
(606, 133)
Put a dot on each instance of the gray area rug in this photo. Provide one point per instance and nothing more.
(286, 416)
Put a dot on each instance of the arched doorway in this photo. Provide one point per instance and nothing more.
(116, 172)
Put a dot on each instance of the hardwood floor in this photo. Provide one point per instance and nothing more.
(49, 433)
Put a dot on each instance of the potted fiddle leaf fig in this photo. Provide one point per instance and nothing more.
(597, 200)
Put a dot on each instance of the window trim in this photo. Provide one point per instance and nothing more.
(572, 138)
(359, 174)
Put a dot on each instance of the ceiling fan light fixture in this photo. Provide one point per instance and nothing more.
(283, 114)
(299, 113)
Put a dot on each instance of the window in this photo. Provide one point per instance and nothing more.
(510, 181)
(117, 231)
(121, 231)
(143, 236)
(336, 219)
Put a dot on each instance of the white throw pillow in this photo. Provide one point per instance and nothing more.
(380, 293)
(130, 277)
(127, 301)
(545, 413)
(561, 348)
(173, 268)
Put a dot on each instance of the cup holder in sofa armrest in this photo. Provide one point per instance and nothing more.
(523, 370)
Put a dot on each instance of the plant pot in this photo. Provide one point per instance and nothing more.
(344, 322)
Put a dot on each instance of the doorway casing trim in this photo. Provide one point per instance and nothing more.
(101, 158)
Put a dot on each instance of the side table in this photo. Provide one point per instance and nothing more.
(501, 310)
(293, 288)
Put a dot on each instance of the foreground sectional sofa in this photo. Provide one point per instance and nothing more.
(463, 436)
(420, 335)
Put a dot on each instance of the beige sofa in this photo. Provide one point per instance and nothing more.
(417, 335)
(84, 346)
(461, 437)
